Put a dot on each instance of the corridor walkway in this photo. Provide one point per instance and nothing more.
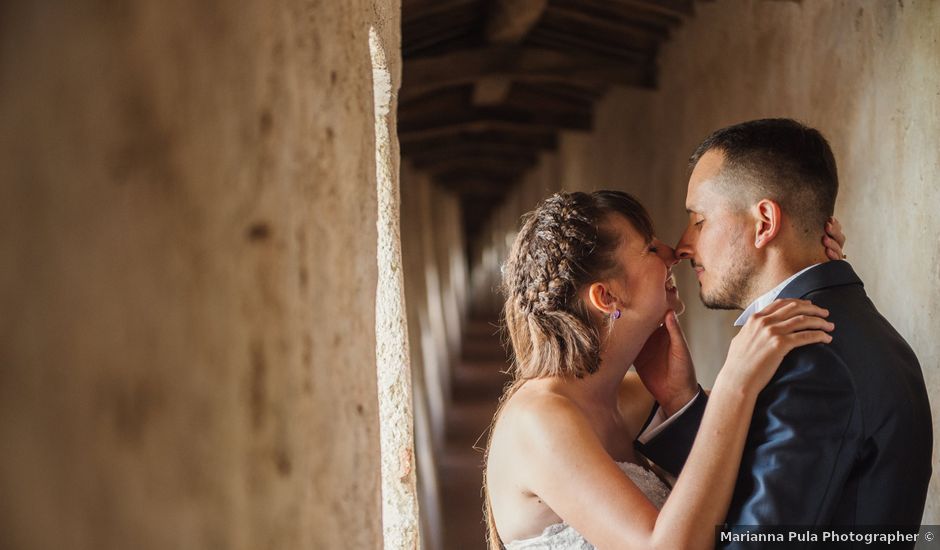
(478, 380)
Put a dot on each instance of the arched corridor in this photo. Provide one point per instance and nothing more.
(250, 251)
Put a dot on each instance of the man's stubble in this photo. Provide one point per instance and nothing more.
(734, 288)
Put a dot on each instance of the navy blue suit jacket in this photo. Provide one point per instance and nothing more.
(841, 435)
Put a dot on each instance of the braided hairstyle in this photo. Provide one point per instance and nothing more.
(565, 244)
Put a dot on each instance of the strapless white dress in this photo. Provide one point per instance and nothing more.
(561, 536)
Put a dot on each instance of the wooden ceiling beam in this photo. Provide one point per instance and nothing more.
(665, 7)
(491, 91)
(530, 108)
(507, 152)
(545, 141)
(613, 31)
(481, 167)
(508, 23)
(489, 83)
(476, 184)
(527, 96)
(568, 93)
(449, 129)
(455, 98)
(508, 120)
(477, 188)
(526, 64)
(511, 20)
(415, 44)
(411, 15)
(432, 24)
(614, 10)
(579, 45)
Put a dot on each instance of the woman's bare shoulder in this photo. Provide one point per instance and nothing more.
(538, 403)
(539, 416)
(536, 428)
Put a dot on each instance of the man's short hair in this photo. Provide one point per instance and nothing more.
(782, 160)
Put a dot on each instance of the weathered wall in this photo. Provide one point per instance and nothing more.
(436, 277)
(866, 73)
(188, 274)
(427, 346)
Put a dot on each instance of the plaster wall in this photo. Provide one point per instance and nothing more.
(428, 338)
(188, 274)
(867, 74)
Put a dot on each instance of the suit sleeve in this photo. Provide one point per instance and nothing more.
(670, 448)
(801, 445)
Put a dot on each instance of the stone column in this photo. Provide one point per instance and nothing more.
(399, 498)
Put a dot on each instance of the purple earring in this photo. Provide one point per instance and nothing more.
(615, 314)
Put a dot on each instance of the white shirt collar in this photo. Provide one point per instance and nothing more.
(766, 299)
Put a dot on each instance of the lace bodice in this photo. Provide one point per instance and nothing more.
(562, 536)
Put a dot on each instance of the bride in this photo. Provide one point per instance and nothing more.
(589, 292)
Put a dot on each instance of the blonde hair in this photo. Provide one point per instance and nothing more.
(562, 246)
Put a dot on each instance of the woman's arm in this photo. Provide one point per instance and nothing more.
(571, 471)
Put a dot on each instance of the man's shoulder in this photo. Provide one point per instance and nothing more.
(818, 364)
(811, 379)
(863, 334)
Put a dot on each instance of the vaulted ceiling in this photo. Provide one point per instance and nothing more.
(489, 84)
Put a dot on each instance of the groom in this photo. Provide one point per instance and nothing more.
(842, 435)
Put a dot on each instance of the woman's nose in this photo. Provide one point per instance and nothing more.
(668, 254)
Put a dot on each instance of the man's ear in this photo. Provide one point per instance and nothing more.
(767, 223)
(601, 299)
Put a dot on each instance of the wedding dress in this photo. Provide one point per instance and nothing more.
(561, 536)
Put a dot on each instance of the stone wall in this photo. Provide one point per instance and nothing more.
(436, 292)
(188, 274)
